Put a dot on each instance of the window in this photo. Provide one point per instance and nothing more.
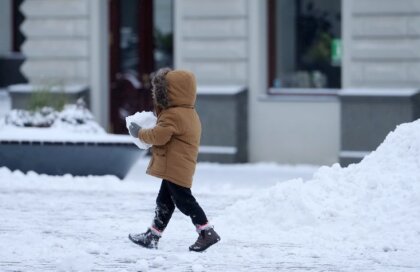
(163, 33)
(304, 44)
(132, 31)
(142, 42)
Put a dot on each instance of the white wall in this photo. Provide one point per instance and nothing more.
(295, 131)
(211, 38)
(382, 43)
(5, 26)
(99, 61)
(57, 41)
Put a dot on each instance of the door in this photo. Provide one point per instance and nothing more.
(141, 41)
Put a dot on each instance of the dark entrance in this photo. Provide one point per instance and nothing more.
(141, 41)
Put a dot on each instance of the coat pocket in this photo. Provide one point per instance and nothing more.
(159, 159)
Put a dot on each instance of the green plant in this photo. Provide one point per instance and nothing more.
(44, 96)
(320, 49)
(163, 41)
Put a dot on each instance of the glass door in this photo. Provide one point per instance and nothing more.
(141, 41)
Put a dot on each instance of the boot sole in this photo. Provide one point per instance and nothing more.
(203, 249)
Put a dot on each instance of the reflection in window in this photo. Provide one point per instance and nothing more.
(129, 39)
(163, 33)
(306, 44)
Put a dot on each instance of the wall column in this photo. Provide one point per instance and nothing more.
(99, 61)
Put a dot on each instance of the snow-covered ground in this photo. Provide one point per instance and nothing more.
(270, 217)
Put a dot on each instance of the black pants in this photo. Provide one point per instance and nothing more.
(171, 195)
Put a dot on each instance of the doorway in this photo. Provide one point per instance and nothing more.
(141, 41)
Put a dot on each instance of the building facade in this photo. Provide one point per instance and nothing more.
(293, 76)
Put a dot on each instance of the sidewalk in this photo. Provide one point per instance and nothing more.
(81, 224)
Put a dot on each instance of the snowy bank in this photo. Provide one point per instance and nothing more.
(371, 205)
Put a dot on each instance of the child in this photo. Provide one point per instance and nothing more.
(175, 140)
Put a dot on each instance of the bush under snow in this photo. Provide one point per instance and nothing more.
(74, 117)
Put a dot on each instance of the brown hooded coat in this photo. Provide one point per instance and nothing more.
(176, 136)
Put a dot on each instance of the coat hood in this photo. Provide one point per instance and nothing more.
(174, 88)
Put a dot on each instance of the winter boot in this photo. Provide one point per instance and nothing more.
(149, 239)
(206, 238)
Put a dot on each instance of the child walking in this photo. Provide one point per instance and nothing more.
(175, 140)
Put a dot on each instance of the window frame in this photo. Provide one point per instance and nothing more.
(296, 92)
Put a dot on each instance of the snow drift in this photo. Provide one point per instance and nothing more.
(375, 203)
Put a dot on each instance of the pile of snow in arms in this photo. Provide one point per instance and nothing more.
(144, 119)
(371, 205)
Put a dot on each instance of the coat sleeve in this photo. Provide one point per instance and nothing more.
(162, 132)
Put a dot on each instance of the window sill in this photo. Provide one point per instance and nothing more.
(303, 91)
(299, 95)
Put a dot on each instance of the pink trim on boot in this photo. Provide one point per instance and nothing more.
(204, 227)
(156, 231)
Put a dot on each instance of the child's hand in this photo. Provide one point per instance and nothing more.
(134, 130)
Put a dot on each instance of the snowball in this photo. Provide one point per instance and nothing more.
(145, 119)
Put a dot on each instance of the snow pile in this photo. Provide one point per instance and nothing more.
(144, 119)
(44, 117)
(75, 123)
(74, 117)
(373, 204)
(77, 118)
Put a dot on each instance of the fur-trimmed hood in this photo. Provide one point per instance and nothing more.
(174, 88)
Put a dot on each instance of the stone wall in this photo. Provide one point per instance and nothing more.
(382, 42)
(57, 41)
(212, 40)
